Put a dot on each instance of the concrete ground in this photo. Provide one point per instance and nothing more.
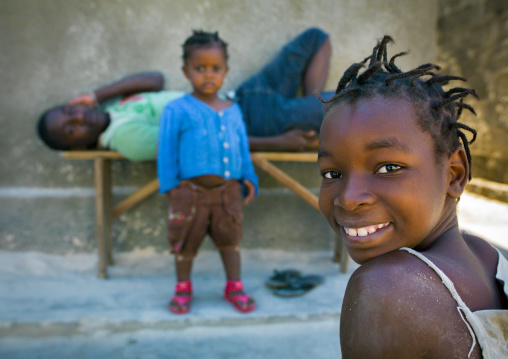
(55, 307)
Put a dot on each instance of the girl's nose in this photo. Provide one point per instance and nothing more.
(353, 194)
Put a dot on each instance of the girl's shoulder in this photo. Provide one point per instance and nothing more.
(399, 278)
(483, 250)
(178, 102)
(398, 269)
(399, 295)
(468, 263)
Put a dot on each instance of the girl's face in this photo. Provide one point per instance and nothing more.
(381, 187)
(206, 69)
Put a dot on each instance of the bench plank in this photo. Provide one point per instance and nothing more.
(92, 155)
(287, 156)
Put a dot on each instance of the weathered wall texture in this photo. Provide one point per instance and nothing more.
(53, 50)
(473, 42)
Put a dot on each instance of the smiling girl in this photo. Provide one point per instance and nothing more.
(394, 161)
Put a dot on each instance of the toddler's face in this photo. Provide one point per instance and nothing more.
(382, 187)
(206, 69)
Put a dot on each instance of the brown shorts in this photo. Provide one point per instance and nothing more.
(195, 211)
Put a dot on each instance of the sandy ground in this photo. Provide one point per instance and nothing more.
(485, 218)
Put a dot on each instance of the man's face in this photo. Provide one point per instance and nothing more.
(76, 126)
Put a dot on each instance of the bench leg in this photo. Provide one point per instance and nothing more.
(340, 254)
(103, 214)
(108, 208)
(136, 197)
(286, 180)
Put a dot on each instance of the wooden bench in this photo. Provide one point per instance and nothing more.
(105, 212)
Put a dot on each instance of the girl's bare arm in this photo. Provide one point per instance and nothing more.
(396, 306)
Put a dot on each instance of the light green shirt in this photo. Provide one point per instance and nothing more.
(134, 126)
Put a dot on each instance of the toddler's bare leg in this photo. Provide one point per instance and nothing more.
(231, 261)
(232, 267)
(183, 273)
(183, 268)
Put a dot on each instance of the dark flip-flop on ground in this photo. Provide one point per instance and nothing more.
(281, 279)
(299, 286)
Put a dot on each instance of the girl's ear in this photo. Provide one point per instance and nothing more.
(458, 173)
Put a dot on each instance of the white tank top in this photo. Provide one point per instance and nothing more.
(490, 327)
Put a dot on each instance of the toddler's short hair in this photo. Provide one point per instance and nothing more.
(202, 39)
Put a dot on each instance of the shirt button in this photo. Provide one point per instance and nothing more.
(226, 145)
(223, 128)
(226, 160)
(227, 174)
(221, 113)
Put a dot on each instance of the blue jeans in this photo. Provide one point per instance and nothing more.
(268, 99)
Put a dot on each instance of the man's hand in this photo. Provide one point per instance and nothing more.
(294, 140)
(251, 192)
(88, 99)
(298, 140)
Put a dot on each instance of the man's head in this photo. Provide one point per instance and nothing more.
(72, 127)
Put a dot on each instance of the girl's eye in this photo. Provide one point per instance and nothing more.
(388, 168)
(331, 174)
(200, 68)
(216, 69)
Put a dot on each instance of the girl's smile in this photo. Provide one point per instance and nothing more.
(383, 185)
(364, 231)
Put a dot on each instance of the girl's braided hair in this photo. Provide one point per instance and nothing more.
(202, 39)
(438, 111)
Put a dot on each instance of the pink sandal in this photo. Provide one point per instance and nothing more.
(239, 301)
(182, 301)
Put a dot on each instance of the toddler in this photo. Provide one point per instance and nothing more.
(203, 162)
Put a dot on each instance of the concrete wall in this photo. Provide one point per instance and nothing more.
(473, 42)
(53, 50)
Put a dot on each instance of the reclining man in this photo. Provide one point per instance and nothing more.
(124, 115)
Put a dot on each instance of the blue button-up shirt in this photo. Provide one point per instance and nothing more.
(196, 140)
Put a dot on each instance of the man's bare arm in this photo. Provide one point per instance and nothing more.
(140, 82)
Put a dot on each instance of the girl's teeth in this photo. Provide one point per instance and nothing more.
(364, 231)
